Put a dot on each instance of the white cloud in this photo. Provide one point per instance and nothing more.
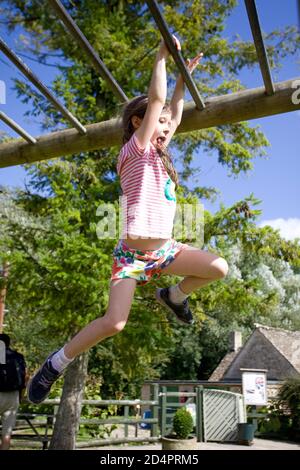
(289, 228)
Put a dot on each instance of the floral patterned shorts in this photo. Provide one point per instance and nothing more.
(143, 265)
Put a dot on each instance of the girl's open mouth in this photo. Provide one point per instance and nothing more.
(160, 141)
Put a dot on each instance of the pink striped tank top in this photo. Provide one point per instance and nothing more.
(148, 199)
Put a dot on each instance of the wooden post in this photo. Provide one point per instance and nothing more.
(155, 409)
(3, 295)
(163, 411)
(126, 416)
(199, 413)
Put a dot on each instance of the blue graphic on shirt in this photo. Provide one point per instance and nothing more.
(170, 190)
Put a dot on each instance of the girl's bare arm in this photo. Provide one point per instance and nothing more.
(157, 95)
(177, 100)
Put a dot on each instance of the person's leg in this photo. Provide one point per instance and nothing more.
(5, 443)
(199, 268)
(114, 320)
(9, 417)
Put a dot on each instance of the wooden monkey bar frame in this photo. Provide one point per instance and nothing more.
(244, 105)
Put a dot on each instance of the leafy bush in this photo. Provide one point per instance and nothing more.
(276, 422)
(95, 431)
(282, 416)
(289, 394)
(183, 423)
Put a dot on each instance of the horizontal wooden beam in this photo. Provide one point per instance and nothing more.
(235, 107)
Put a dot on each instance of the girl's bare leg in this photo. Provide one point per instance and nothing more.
(114, 320)
(198, 267)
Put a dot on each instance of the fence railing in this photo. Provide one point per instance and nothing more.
(157, 421)
(37, 426)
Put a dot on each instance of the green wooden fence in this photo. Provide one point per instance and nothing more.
(217, 414)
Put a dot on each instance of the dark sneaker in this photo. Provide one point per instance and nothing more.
(182, 311)
(39, 386)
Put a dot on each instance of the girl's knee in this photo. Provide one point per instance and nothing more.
(220, 268)
(117, 327)
(113, 326)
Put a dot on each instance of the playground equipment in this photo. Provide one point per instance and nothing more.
(272, 98)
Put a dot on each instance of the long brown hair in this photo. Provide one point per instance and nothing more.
(137, 107)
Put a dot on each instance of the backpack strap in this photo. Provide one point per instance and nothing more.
(2, 352)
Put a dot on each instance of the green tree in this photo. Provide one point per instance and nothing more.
(262, 286)
(55, 279)
(289, 394)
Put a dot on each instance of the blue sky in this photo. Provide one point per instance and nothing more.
(274, 179)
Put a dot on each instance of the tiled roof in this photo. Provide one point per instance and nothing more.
(219, 372)
(286, 342)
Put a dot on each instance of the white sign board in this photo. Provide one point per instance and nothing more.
(191, 407)
(254, 388)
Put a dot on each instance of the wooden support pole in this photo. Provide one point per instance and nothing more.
(178, 59)
(11, 123)
(219, 110)
(87, 48)
(260, 46)
(40, 86)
